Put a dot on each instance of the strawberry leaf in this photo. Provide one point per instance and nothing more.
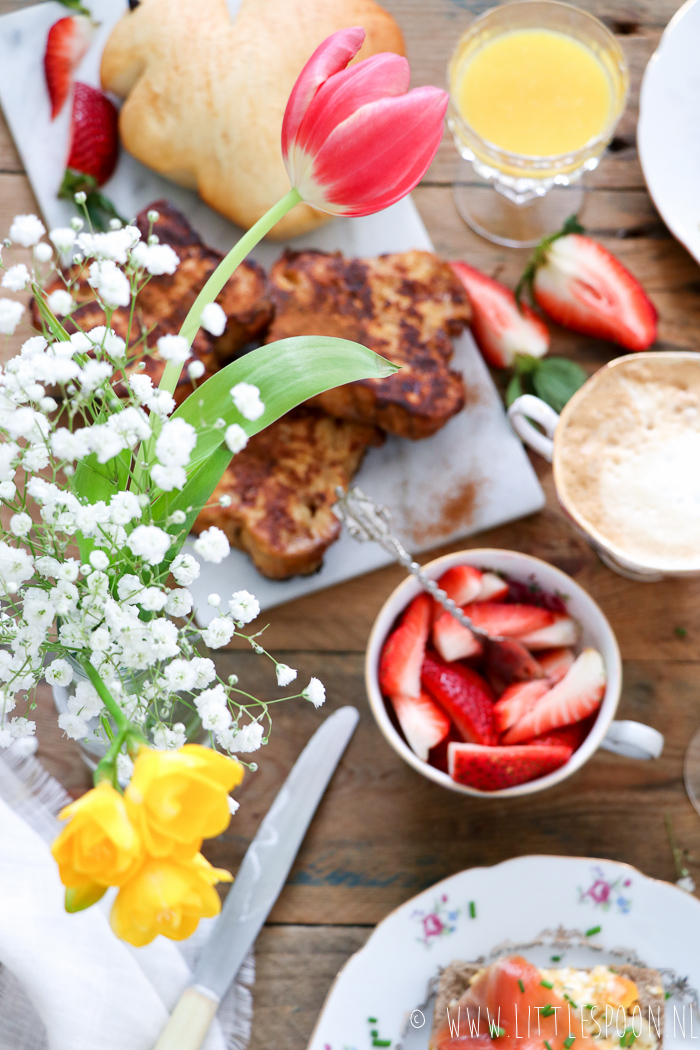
(556, 380)
(514, 389)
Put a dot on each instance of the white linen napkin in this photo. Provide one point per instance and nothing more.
(87, 989)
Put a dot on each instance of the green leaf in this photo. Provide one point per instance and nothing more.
(287, 373)
(556, 380)
(95, 481)
(514, 389)
(54, 325)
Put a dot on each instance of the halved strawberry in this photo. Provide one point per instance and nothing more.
(453, 641)
(422, 721)
(563, 631)
(511, 621)
(583, 287)
(556, 662)
(495, 768)
(576, 696)
(94, 134)
(461, 583)
(66, 46)
(517, 700)
(402, 655)
(464, 695)
(492, 589)
(500, 327)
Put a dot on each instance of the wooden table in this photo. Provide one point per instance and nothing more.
(382, 832)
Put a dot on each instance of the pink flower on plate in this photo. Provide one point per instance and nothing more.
(600, 891)
(432, 926)
(355, 140)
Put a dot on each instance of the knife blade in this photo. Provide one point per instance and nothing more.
(261, 876)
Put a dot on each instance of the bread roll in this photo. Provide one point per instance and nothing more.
(205, 96)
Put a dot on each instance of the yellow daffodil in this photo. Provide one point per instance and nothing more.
(167, 896)
(100, 846)
(177, 798)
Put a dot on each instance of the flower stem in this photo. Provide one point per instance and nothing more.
(221, 275)
(122, 722)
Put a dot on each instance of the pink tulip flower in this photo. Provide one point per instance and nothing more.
(355, 140)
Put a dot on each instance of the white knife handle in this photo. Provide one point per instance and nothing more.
(189, 1022)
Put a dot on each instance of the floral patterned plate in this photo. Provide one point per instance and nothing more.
(583, 912)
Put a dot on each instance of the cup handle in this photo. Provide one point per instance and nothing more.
(633, 740)
(527, 407)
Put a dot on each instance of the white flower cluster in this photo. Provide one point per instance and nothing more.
(89, 577)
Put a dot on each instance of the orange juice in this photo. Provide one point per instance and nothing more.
(535, 92)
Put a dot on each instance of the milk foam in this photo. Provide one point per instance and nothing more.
(627, 460)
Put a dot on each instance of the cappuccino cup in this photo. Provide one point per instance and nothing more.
(626, 461)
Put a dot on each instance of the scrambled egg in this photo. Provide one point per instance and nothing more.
(605, 1006)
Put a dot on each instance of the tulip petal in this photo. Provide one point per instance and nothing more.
(380, 76)
(378, 155)
(329, 57)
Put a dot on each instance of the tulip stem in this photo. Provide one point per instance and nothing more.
(221, 275)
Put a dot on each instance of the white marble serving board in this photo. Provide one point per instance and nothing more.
(471, 476)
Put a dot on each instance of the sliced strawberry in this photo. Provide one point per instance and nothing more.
(403, 652)
(493, 588)
(556, 662)
(507, 662)
(576, 696)
(422, 721)
(453, 641)
(464, 695)
(66, 46)
(585, 288)
(94, 134)
(461, 583)
(495, 768)
(500, 327)
(517, 700)
(563, 631)
(511, 621)
(570, 736)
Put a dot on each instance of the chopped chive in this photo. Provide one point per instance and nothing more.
(570, 1000)
(556, 958)
(548, 1044)
(593, 930)
(472, 910)
(496, 1031)
(521, 986)
(381, 1042)
(374, 1033)
(591, 1007)
(569, 1041)
(547, 1010)
(667, 995)
(371, 1020)
(546, 984)
(680, 632)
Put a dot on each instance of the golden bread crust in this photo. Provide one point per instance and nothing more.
(205, 96)
(404, 306)
(282, 488)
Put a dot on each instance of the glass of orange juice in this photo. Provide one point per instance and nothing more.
(536, 90)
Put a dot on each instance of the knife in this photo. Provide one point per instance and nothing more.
(262, 874)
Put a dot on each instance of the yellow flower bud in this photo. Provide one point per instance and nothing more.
(177, 798)
(100, 845)
(167, 896)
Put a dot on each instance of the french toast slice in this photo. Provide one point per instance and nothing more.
(469, 994)
(282, 490)
(404, 306)
(163, 303)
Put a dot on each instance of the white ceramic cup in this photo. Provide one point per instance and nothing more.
(529, 409)
(631, 739)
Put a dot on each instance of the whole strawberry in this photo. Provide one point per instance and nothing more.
(94, 149)
(582, 286)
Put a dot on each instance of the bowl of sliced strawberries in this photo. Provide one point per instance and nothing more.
(501, 718)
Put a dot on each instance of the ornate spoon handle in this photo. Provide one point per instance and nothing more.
(366, 520)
